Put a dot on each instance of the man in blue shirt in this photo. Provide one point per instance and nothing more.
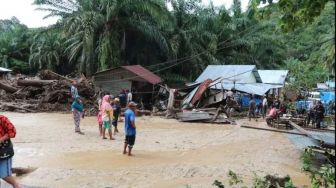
(130, 128)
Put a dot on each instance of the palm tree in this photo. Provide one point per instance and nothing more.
(97, 27)
(46, 51)
(14, 45)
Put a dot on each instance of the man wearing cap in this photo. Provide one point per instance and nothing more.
(130, 128)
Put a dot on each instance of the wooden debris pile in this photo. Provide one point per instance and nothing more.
(47, 92)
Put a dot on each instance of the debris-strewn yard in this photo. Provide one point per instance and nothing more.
(168, 153)
(46, 92)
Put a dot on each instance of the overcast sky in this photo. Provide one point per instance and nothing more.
(26, 13)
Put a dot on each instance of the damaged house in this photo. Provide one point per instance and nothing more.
(209, 87)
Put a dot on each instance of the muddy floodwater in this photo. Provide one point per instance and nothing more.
(167, 153)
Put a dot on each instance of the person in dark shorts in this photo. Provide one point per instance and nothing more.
(116, 112)
(130, 128)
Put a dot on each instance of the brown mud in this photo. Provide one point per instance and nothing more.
(167, 153)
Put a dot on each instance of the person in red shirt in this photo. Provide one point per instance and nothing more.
(7, 131)
(272, 115)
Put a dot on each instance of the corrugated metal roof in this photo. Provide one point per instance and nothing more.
(5, 70)
(251, 88)
(230, 73)
(140, 71)
(273, 76)
(143, 73)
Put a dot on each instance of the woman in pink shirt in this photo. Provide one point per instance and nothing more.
(272, 115)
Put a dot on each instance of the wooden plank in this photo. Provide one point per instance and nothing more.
(37, 83)
(319, 130)
(300, 129)
(206, 109)
(273, 130)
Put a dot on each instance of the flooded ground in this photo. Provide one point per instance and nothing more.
(167, 153)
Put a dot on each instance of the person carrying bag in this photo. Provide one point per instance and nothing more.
(7, 131)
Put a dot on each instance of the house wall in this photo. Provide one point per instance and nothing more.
(115, 80)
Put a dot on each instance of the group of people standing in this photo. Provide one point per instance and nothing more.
(108, 115)
(265, 107)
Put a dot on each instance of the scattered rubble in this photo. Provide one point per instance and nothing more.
(46, 93)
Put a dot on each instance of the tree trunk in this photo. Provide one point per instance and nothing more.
(50, 75)
(8, 88)
(37, 83)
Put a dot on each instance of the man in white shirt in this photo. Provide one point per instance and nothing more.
(310, 115)
(264, 106)
(129, 96)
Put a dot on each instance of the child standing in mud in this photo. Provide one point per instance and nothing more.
(107, 113)
(130, 128)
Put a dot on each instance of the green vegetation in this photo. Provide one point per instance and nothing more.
(258, 182)
(94, 35)
(323, 176)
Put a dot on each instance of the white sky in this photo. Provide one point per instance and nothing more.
(26, 13)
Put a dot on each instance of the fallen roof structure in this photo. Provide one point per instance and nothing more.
(243, 78)
(231, 73)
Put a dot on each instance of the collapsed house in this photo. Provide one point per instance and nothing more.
(242, 78)
(216, 82)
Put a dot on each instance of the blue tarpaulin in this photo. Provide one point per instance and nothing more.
(327, 96)
(246, 99)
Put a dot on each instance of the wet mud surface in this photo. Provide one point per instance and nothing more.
(167, 153)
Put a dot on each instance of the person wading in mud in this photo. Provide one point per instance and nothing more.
(7, 131)
(107, 114)
(130, 128)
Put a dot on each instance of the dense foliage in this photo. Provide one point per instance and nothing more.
(176, 39)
